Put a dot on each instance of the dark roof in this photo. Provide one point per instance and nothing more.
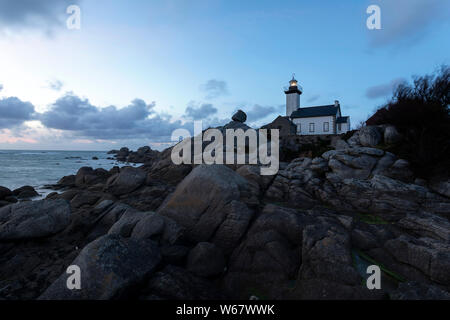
(320, 111)
(342, 120)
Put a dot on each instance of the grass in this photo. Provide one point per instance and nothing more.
(371, 219)
(388, 272)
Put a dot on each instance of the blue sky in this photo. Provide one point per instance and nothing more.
(136, 70)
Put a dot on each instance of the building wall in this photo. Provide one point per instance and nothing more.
(292, 103)
(304, 125)
(344, 127)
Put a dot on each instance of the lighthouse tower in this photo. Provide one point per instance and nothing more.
(292, 96)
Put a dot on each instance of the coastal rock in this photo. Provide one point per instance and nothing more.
(441, 187)
(88, 176)
(105, 216)
(253, 175)
(143, 155)
(34, 219)
(126, 181)
(175, 283)
(391, 135)
(370, 136)
(239, 116)
(85, 198)
(268, 258)
(428, 255)
(354, 140)
(67, 181)
(111, 266)
(4, 203)
(424, 224)
(163, 229)
(165, 171)
(25, 192)
(327, 258)
(418, 291)
(206, 215)
(5, 192)
(206, 260)
(341, 145)
(124, 227)
(147, 225)
(122, 154)
(175, 254)
(148, 198)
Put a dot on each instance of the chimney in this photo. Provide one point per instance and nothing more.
(336, 103)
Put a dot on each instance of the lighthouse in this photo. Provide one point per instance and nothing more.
(292, 96)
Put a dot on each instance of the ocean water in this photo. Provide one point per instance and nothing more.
(40, 168)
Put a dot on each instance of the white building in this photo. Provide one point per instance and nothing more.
(314, 120)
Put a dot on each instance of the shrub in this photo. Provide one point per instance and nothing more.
(421, 114)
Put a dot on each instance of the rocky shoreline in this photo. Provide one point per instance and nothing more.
(165, 231)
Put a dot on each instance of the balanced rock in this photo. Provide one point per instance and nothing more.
(239, 116)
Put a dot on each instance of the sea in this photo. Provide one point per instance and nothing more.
(42, 168)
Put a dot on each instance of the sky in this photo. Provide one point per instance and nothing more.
(136, 70)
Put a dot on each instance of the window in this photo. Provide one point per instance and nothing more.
(311, 127)
(339, 126)
(299, 128)
(326, 126)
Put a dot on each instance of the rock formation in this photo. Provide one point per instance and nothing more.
(162, 231)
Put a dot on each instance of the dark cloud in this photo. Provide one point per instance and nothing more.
(14, 112)
(42, 14)
(215, 88)
(200, 112)
(55, 85)
(258, 112)
(383, 89)
(404, 22)
(136, 121)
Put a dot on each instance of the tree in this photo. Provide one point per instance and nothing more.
(420, 112)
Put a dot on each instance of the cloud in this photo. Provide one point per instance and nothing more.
(215, 88)
(1, 87)
(313, 98)
(135, 121)
(383, 90)
(201, 112)
(55, 85)
(407, 21)
(258, 112)
(14, 112)
(28, 14)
